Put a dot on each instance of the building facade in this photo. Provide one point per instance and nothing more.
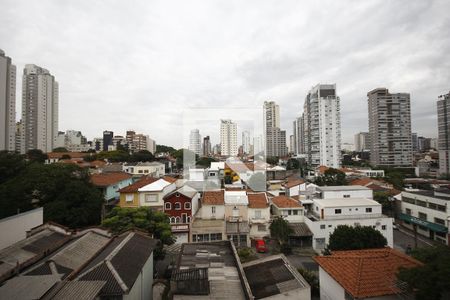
(7, 103)
(228, 138)
(195, 142)
(107, 139)
(443, 111)
(39, 109)
(275, 143)
(362, 142)
(246, 142)
(322, 126)
(389, 128)
(207, 146)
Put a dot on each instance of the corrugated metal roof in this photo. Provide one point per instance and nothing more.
(300, 229)
(102, 273)
(190, 274)
(79, 290)
(28, 287)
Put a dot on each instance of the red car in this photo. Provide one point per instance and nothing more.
(260, 246)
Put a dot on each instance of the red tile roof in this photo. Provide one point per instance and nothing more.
(366, 273)
(257, 200)
(132, 188)
(71, 154)
(294, 182)
(213, 198)
(106, 179)
(362, 181)
(169, 179)
(285, 202)
(322, 169)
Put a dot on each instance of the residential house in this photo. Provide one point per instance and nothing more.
(427, 213)
(153, 169)
(236, 217)
(209, 222)
(147, 192)
(327, 214)
(290, 209)
(181, 205)
(363, 274)
(258, 215)
(294, 187)
(110, 184)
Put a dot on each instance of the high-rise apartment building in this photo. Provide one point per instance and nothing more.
(107, 139)
(7, 103)
(415, 142)
(39, 109)
(139, 142)
(206, 146)
(362, 142)
(389, 128)
(246, 141)
(321, 135)
(275, 137)
(195, 144)
(297, 130)
(443, 112)
(228, 138)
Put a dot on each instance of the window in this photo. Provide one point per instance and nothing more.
(183, 218)
(289, 212)
(177, 220)
(368, 209)
(422, 216)
(322, 226)
(140, 172)
(213, 209)
(187, 205)
(295, 212)
(346, 196)
(337, 211)
(129, 197)
(216, 236)
(421, 203)
(439, 221)
(177, 195)
(257, 214)
(408, 211)
(151, 198)
(261, 227)
(383, 227)
(167, 206)
(172, 219)
(177, 206)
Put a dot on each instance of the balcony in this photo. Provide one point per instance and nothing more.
(234, 219)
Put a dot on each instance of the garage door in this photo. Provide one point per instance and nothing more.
(182, 238)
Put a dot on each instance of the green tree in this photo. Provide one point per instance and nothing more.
(181, 154)
(312, 279)
(431, 281)
(64, 190)
(65, 156)
(205, 161)
(154, 222)
(11, 165)
(163, 148)
(346, 237)
(279, 229)
(36, 155)
(292, 164)
(60, 149)
(142, 155)
(114, 156)
(332, 177)
(273, 160)
(386, 204)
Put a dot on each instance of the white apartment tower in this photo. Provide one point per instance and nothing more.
(443, 111)
(362, 141)
(297, 130)
(39, 109)
(228, 138)
(321, 135)
(7, 103)
(246, 141)
(195, 144)
(389, 128)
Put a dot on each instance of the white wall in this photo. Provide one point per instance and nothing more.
(14, 228)
(205, 212)
(143, 286)
(329, 212)
(195, 204)
(160, 196)
(290, 218)
(329, 288)
(254, 222)
(330, 225)
(353, 194)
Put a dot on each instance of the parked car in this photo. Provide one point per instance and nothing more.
(260, 246)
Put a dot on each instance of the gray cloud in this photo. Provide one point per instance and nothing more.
(138, 65)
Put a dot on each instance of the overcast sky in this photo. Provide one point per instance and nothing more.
(138, 64)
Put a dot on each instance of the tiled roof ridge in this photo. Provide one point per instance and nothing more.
(116, 275)
(358, 277)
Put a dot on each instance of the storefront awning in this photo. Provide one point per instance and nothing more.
(432, 226)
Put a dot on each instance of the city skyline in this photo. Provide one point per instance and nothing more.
(407, 54)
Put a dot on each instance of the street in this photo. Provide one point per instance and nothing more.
(404, 237)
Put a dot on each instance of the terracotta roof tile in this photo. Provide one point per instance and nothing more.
(294, 182)
(257, 200)
(285, 202)
(71, 154)
(322, 169)
(106, 179)
(213, 198)
(169, 179)
(366, 273)
(132, 188)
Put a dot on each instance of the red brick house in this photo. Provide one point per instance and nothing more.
(180, 205)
